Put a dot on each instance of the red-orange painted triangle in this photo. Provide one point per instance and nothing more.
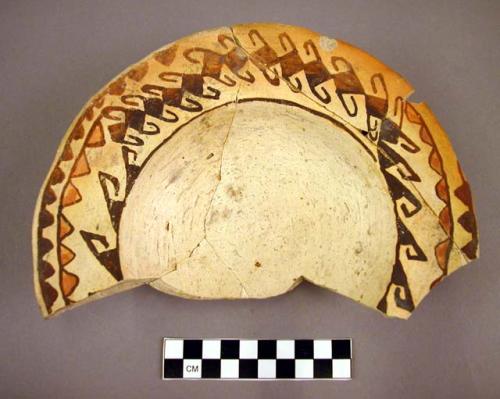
(442, 190)
(69, 281)
(71, 195)
(445, 219)
(65, 227)
(412, 114)
(66, 255)
(435, 162)
(96, 137)
(441, 252)
(425, 135)
(81, 167)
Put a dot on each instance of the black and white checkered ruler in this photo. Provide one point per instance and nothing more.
(257, 359)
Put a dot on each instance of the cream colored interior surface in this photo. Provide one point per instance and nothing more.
(250, 198)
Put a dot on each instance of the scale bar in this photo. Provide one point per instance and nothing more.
(257, 359)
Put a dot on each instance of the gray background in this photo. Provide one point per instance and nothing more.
(55, 54)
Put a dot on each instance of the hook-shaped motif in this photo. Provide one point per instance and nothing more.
(346, 83)
(309, 46)
(152, 106)
(291, 63)
(372, 129)
(108, 258)
(346, 80)
(354, 112)
(274, 80)
(252, 33)
(405, 238)
(417, 206)
(171, 77)
(410, 145)
(154, 126)
(234, 59)
(283, 37)
(228, 82)
(326, 98)
(128, 99)
(222, 38)
(112, 197)
(188, 54)
(316, 73)
(191, 83)
(264, 57)
(196, 106)
(376, 106)
(248, 77)
(334, 60)
(131, 118)
(390, 132)
(399, 104)
(173, 97)
(107, 112)
(153, 90)
(380, 78)
(392, 158)
(212, 64)
(131, 168)
(399, 191)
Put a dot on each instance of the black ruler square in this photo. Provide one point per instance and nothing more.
(285, 368)
(192, 348)
(341, 349)
(322, 368)
(173, 368)
(210, 368)
(304, 349)
(230, 349)
(248, 368)
(267, 349)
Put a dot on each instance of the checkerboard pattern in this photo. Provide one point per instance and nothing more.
(256, 359)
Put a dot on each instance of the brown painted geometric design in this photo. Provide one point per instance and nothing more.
(468, 220)
(129, 116)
